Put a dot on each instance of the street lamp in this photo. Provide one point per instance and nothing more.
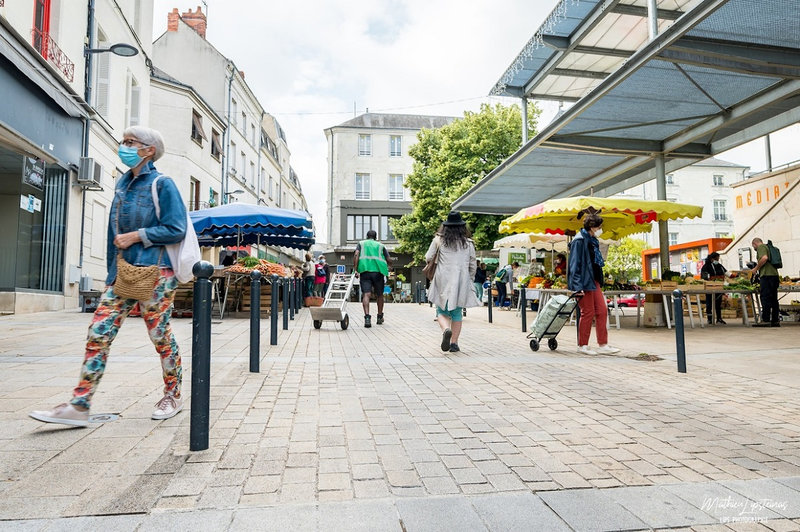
(227, 195)
(121, 49)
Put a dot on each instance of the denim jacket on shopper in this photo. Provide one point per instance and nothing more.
(580, 275)
(133, 198)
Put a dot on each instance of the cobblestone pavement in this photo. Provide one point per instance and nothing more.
(377, 428)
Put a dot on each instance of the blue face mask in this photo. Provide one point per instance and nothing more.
(129, 156)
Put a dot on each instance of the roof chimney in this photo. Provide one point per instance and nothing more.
(172, 19)
(195, 19)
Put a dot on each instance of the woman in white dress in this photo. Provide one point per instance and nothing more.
(451, 289)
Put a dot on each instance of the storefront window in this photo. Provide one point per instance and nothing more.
(33, 199)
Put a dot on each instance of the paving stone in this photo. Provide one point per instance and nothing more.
(720, 502)
(523, 511)
(659, 508)
(440, 485)
(359, 516)
(197, 520)
(370, 489)
(590, 510)
(772, 495)
(421, 515)
(299, 518)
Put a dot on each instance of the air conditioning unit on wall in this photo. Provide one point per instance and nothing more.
(89, 172)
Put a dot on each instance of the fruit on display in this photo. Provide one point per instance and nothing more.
(246, 265)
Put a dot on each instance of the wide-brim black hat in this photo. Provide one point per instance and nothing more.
(454, 218)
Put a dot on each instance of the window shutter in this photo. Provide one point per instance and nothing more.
(103, 83)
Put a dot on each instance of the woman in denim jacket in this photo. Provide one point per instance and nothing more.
(585, 278)
(134, 229)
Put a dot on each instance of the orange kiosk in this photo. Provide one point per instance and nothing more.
(686, 258)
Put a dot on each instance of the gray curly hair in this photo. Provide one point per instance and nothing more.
(147, 136)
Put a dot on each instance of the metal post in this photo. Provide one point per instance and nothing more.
(524, 120)
(201, 356)
(523, 305)
(273, 310)
(255, 320)
(292, 297)
(298, 290)
(767, 152)
(285, 305)
(491, 301)
(663, 229)
(677, 305)
(652, 19)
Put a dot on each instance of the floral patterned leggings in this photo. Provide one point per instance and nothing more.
(110, 313)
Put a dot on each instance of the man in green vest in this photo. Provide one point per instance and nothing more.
(371, 262)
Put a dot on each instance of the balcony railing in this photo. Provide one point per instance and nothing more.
(197, 205)
(46, 46)
(720, 217)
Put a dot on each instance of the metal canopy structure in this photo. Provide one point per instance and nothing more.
(720, 73)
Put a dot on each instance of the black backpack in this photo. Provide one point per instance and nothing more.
(774, 255)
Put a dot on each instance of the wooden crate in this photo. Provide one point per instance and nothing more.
(669, 285)
(713, 285)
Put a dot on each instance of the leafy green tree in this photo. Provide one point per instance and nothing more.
(447, 162)
(624, 261)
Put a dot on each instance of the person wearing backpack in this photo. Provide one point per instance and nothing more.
(769, 261)
(500, 279)
(321, 277)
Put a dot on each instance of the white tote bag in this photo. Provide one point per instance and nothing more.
(182, 255)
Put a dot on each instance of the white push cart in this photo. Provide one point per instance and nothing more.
(333, 307)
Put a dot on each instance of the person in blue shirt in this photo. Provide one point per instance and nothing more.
(585, 278)
(135, 231)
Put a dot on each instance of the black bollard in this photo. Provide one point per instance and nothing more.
(677, 306)
(491, 301)
(201, 356)
(292, 297)
(273, 310)
(298, 290)
(523, 305)
(285, 305)
(255, 320)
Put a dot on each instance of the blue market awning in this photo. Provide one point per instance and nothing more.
(247, 224)
(721, 73)
(226, 219)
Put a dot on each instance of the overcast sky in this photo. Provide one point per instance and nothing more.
(311, 63)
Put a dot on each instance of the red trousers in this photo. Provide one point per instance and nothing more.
(593, 308)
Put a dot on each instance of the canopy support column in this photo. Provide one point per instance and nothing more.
(524, 120)
(663, 229)
(652, 18)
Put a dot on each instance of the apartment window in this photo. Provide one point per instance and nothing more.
(362, 186)
(103, 79)
(365, 144)
(132, 95)
(673, 239)
(261, 180)
(216, 147)
(194, 194)
(244, 124)
(253, 134)
(197, 128)
(283, 202)
(670, 179)
(386, 228)
(233, 157)
(269, 190)
(358, 225)
(234, 110)
(294, 206)
(720, 213)
(718, 180)
(252, 174)
(243, 168)
(720, 235)
(396, 191)
(395, 146)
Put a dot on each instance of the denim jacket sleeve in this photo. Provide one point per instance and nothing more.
(171, 226)
(580, 275)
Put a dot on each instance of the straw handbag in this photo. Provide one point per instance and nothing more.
(135, 282)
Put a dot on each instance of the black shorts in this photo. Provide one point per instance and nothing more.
(371, 282)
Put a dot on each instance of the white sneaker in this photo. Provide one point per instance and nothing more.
(65, 414)
(584, 350)
(607, 350)
(167, 407)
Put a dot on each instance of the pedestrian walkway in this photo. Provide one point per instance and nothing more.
(378, 429)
